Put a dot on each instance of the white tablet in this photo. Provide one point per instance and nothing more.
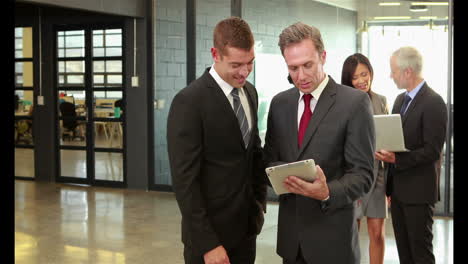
(304, 169)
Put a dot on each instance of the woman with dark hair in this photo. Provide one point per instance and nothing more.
(358, 73)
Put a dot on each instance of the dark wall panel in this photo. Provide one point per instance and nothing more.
(133, 8)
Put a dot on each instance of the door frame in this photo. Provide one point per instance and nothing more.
(89, 148)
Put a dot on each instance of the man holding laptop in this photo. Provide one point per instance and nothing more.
(413, 181)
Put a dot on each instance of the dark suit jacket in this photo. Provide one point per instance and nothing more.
(219, 184)
(415, 177)
(341, 140)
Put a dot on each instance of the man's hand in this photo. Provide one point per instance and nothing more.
(218, 255)
(385, 156)
(316, 190)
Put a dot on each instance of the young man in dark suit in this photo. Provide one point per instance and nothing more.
(332, 124)
(215, 154)
(413, 180)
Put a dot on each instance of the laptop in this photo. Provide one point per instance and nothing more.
(389, 133)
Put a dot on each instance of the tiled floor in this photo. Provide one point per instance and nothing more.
(56, 223)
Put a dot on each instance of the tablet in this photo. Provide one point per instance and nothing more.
(304, 169)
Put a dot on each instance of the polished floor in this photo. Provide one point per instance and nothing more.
(58, 223)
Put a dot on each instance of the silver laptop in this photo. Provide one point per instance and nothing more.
(389, 133)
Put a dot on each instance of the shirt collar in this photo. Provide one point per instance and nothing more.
(317, 92)
(226, 87)
(415, 91)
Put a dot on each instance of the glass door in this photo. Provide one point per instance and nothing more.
(24, 103)
(71, 105)
(90, 105)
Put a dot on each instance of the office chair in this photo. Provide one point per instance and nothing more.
(23, 132)
(116, 129)
(119, 103)
(69, 121)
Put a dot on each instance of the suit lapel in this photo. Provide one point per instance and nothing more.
(291, 110)
(253, 110)
(224, 107)
(325, 102)
(377, 104)
(414, 102)
(398, 103)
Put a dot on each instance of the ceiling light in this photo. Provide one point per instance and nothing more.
(392, 17)
(430, 3)
(389, 4)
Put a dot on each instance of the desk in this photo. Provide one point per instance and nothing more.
(21, 113)
(115, 128)
(80, 111)
(103, 112)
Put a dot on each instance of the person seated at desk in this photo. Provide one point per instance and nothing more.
(24, 128)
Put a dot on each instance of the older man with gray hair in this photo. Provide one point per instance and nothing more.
(413, 178)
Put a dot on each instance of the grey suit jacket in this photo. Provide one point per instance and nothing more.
(341, 140)
(379, 107)
(374, 203)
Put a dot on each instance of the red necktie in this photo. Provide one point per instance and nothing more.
(305, 118)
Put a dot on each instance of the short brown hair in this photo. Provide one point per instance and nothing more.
(234, 32)
(298, 32)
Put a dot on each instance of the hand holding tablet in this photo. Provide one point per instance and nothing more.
(304, 169)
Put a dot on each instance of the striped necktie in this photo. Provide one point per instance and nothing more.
(240, 114)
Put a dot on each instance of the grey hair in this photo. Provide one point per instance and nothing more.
(298, 32)
(409, 57)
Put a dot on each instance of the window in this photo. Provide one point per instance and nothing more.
(107, 58)
(383, 40)
(432, 42)
(24, 102)
(71, 64)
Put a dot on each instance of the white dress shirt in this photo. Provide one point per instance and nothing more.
(313, 102)
(227, 88)
(413, 94)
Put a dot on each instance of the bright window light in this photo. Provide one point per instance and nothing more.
(431, 43)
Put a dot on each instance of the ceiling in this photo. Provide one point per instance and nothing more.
(347, 4)
(369, 9)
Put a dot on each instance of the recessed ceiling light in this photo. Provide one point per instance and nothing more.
(392, 17)
(389, 4)
(430, 3)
